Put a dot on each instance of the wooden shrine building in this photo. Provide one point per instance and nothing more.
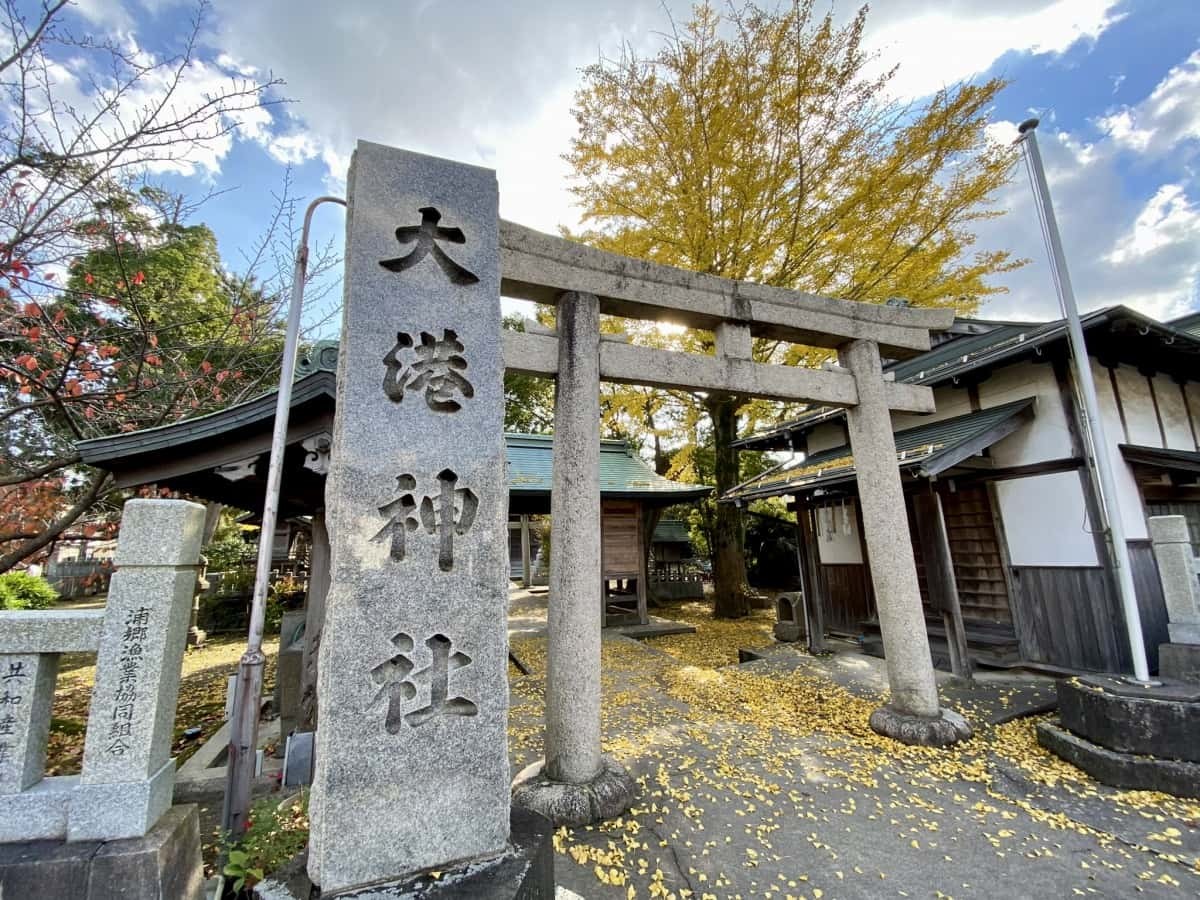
(1000, 504)
(222, 458)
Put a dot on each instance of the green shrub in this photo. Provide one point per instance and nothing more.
(20, 590)
(276, 832)
(227, 551)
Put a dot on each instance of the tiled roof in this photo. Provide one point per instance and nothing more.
(927, 448)
(995, 342)
(622, 473)
(671, 531)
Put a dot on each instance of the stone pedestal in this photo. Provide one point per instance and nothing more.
(1179, 662)
(163, 864)
(604, 796)
(523, 871)
(1129, 735)
(412, 754)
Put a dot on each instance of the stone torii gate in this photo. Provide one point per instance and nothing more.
(575, 784)
(411, 762)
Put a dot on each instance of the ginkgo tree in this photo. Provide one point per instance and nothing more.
(764, 144)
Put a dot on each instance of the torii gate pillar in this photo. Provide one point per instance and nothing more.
(575, 785)
(912, 715)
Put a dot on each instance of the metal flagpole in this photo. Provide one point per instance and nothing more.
(243, 739)
(1099, 451)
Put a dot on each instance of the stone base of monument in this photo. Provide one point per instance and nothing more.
(164, 864)
(1129, 735)
(525, 871)
(1179, 662)
(788, 632)
(606, 796)
(942, 730)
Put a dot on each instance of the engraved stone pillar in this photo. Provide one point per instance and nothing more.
(575, 785)
(128, 773)
(1177, 570)
(318, 589)
(913, 714)
(26, 695)
(411, 752)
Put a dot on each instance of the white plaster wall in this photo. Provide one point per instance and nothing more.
(1133, 516)
(1138, 404)
(1108, 405)
(843, 547)
(1045, 521)
(950, 402)
(1193, 396)
(1174, 413)
(824, 437)
(1048, 435)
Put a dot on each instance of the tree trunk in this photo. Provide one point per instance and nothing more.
(100, 483)
(729, 562)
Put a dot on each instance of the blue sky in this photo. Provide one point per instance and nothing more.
(1116, 84)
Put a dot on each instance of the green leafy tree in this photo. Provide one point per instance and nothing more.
(528, 399)
(756, 145)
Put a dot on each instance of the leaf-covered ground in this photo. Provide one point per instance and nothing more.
(757, 783)
(201, 699)
(763, 783)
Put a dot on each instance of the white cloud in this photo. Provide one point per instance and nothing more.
(938, 44)
(1168, 218)
(1142, 253)
(1169, 116)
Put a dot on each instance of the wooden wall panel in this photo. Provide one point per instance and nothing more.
(1068, 612)
(1152, 608)
(848, 603)
(621, 552)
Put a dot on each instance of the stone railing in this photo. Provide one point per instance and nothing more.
(139, 638)
(1178, 568)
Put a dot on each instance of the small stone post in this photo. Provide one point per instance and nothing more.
(26, 696)
(128, 773)
(912, 715)
(1177, 569)
(526, 554)
(575, 784)
(318, 589)
(412, 748)
(1180, 658)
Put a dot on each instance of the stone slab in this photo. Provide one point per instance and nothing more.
(524, 871)
(26, 698)
(656, 627)
(160, 533)
(1180, 661)
(411, 759)
(1162, 722)
(114, 810)
(38, 813)
(1123, 770)
(1184, 632)
(50, 630)
(164, 864)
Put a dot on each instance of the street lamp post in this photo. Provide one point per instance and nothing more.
(243, 738)
(1099, 450)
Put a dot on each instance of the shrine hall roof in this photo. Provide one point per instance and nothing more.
(221, 457)
(622, 472)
